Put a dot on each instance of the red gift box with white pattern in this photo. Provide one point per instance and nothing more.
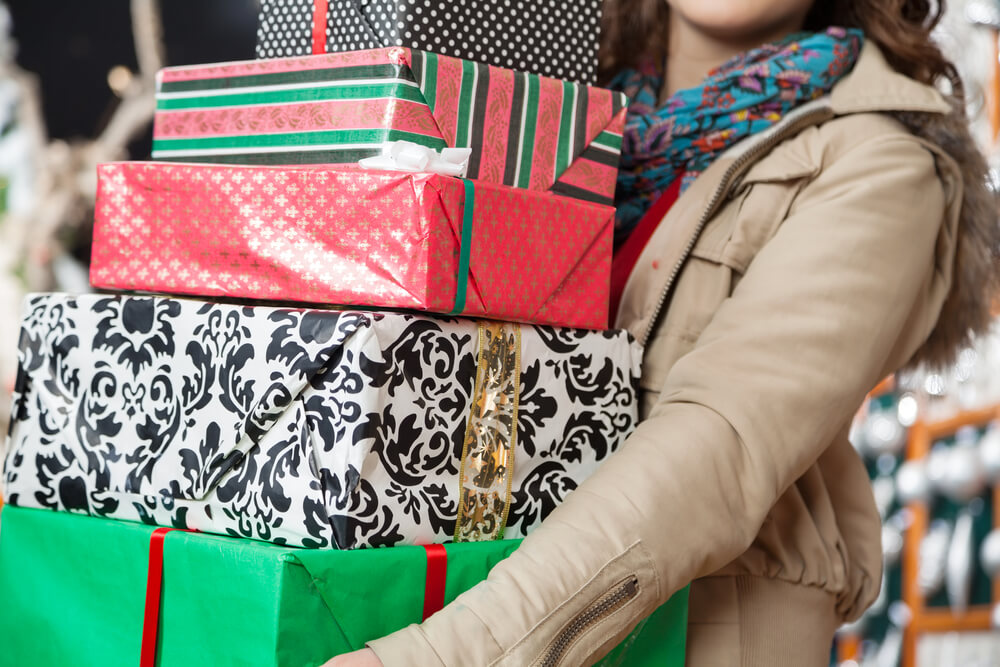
(342, 235)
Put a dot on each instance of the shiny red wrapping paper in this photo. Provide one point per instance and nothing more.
(341, 235)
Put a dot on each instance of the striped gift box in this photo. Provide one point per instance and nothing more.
(525, 131)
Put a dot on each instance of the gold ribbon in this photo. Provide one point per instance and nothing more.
(490, 436)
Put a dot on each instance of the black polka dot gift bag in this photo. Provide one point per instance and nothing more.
(555, 38)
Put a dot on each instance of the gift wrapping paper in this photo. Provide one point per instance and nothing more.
(348, 236)
(314, 428)
(548, 37)
(74, 592)
(524, 130)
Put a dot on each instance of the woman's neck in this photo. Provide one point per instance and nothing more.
(692, 53)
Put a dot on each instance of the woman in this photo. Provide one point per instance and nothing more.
(831, 225)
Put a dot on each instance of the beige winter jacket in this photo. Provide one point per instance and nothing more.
(801, 268)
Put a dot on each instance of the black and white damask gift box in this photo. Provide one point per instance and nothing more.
(556, 38)
(316, 428)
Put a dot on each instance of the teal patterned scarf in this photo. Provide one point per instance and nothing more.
(748, 94)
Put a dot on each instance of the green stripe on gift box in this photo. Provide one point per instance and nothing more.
(529, 124)
(566, 127)
(325, 155)
(608, 141)
(352, 90)
(318, 140)
(325, 75)
(427, 64)
(465, 247)
(467, 98)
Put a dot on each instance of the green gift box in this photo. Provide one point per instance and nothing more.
(73, 592)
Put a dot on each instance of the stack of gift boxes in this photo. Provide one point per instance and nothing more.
(384, 280)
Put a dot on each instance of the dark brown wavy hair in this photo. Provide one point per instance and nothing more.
(635, 29)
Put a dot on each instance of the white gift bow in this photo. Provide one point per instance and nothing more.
(408, 156)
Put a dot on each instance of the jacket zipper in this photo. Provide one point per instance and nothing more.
(629, 588)
(598, 611)
(794, 126)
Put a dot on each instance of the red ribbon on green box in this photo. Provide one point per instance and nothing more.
(75, 588)
(154, 581)
(437, 577)
(437, 571)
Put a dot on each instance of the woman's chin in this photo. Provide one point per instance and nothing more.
(745, 20)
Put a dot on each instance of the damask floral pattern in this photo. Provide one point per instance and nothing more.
(317, 428)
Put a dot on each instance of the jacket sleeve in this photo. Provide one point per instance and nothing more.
(809, 329)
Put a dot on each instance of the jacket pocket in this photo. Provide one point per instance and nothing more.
(760, 210)
(721, 255)
(728, 246)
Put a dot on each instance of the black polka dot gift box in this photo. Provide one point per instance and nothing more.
(556, 38)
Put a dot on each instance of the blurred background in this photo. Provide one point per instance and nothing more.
(76, 89)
